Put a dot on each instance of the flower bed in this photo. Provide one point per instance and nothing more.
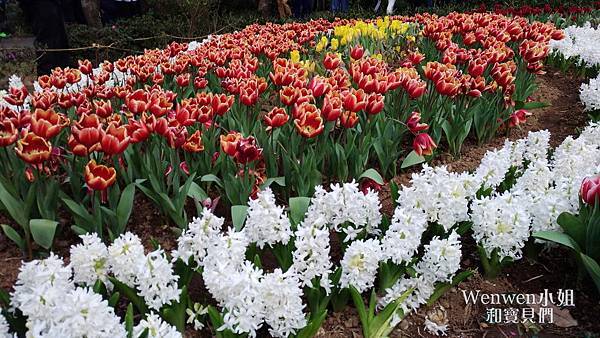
(516, 190)
(291, 104)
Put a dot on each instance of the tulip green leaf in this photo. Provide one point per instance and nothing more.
(196, 192)
(372, 174)
(412, 159)
(212, 178)
(279, 180)
(238, 216)
(14, 207)
(558, 237)
(14, 236)
(43, 231)
(125, 207)
(593, 268)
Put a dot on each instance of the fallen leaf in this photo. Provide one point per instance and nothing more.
(561, 317)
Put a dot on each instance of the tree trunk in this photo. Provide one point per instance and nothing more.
(91, 12)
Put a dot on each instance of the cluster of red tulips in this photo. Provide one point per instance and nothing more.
(279, 108)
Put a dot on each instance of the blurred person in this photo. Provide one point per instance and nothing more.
(302, 8)
(113, 10)
(339, 6)
(48, 26)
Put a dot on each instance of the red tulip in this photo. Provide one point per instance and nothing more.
(590, 190)
(183, 80)
(414, 123)
(103, 108)
(415, 88)
(349, 119)
(221, 103)
(47, 123)
(16, 96)
(357, 52)
(375, 104)
(476, 67)
(85, 135)
(518, 117)
(137, 102)
(114, 139)
(319, 86)
(43, 100)
(276, 118)
(424, 145)
(247, 151)
(309, 124)
(33, 149)
(138, 131)
(229, 142)
(415, 58)
(200, 82)
(176, 136)
(184, 167)
(8, 133)
(368, 184)
(355, 100)
(331, 61)
(288, 95)
(194, 143)
(99, 177)
(85, 66)
(332, 106)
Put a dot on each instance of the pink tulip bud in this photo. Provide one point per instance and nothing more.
(590, 190)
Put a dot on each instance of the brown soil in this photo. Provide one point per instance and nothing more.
(563, 117)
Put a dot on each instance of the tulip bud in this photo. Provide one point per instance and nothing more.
(357, 52)
(413, 123)
(590, 190)
(424, 145)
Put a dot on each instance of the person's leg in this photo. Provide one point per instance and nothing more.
(344, 5)
(297, 8)
(390, 6)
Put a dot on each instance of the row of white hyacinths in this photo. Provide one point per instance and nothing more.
(589, 95)
(517, 189)
(581, 46)
(580, 43)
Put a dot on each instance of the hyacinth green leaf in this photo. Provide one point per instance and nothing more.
(131, 294)
(298, 208)
(359, 304)
(129, 321)
(313, 326)
(43, 231)
(441, 289)
(114, 299)
(372, 174)
(412, 159)
(238, 216)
